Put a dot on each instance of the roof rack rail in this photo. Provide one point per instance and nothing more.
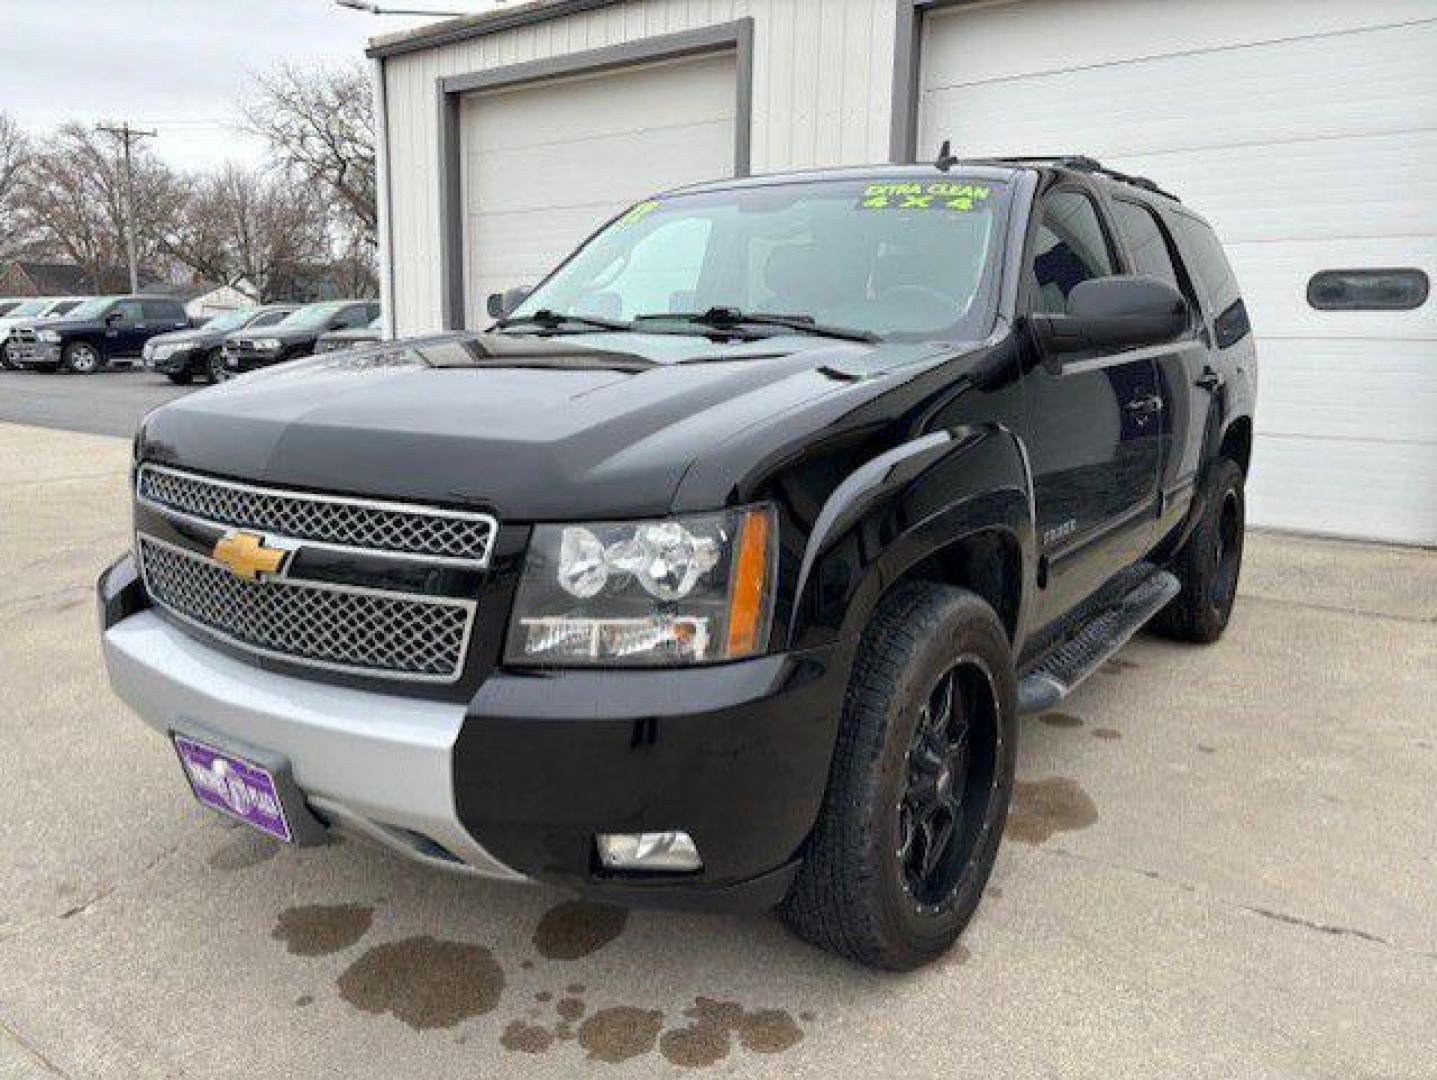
(1083, 163)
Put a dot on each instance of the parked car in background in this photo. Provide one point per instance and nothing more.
(9, 303)
(296, 335)
(187, 354)
(96, 333)
(336, 340)
(19, 312)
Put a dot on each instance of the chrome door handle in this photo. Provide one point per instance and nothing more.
(1209, 380)
(1145, 405)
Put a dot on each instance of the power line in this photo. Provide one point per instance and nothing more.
(128, 135)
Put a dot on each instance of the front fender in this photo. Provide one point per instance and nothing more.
(903, 506)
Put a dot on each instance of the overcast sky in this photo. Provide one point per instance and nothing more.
(176, 65)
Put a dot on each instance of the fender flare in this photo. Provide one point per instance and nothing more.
(903, 506)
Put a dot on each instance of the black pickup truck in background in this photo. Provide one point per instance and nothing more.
(97, 333)
(718, 571)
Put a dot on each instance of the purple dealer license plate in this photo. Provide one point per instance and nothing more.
(233, 786)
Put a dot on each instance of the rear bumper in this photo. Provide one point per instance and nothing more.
(517, 783)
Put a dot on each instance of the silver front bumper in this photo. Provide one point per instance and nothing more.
(378, 765)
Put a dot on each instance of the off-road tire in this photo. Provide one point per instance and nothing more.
(850, 896)
(1210, 562)
(76, 352)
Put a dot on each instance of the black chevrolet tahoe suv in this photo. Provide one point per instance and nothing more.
(184, 355)
(99, 332)
(296, 335)
(718, 572)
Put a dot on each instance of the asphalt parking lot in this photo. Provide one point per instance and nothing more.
(1219, 864)
(108, 403)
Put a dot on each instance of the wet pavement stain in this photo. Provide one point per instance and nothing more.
(1117, 665)
(1044, 807)
(571, 1009)
(619, 1033)
(318, 929)
(424, 982)
(543, 997)
(1107, 733)
(574, 988)
(713, 1024)
(1201, 749)
(243, 851)
(575, 929)
(525, 1038)
(1061, 720)
(303, 1000)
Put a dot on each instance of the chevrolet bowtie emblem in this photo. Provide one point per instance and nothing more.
(247, 557)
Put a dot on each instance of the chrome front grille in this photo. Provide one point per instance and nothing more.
(343, 628)
(353, 524)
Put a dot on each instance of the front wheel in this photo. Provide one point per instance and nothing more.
(919, 787)
(82, 358)
(5, 361)
(215, 366)
(179, 378)
(1209, 563)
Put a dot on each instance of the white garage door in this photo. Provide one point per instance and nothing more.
(545, 164)
(1306, 132)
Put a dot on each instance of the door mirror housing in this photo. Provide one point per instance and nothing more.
(1122, 312)
(114, 318)
(502, 304)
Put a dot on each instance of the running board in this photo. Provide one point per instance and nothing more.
(1068, 664)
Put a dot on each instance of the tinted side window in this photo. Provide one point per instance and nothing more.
(1071, 248)
(129, 310)
(1146, 242)
(351, 317)
(162, 310)
(1204, 256)
(269, 318)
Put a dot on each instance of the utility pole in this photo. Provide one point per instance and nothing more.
(127, 135)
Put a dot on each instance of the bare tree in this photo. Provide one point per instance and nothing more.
(74, 194)
(319, 124)
(244, 228)
(16, 232)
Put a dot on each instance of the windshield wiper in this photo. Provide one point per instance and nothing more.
(724, 318)
(545, 319)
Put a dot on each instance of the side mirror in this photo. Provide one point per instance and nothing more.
(502, 304)
(1115, 313)
(114, 318)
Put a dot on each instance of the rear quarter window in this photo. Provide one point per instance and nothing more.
(1203, 255)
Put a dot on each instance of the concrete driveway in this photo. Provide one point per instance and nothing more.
(1220, 863)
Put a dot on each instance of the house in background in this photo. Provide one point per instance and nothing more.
(204, 299)
(33, 277)
(1304, 130)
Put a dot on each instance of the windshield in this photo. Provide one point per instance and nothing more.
(313, 315)
(905, 260)
(64, 307)
(230, 320)
(29, 307)
(91, 309)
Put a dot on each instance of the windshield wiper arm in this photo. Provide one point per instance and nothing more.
(545, 319)
(723, 318)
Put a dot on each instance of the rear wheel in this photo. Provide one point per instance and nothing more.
(1210, 562)
(920, 783)
(82, 358)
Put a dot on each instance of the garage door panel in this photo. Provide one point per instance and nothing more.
(1205, 101)
(1349, 389)
(544, 178)
(545, 164)
(1346, 487)
(567, 110)
(1306, 153)
(1274, 278)
(978, 44)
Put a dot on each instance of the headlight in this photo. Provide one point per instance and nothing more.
(690, 590)
(267, 344)
(164, 352)
(52, 336)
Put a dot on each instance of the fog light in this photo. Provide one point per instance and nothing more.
(660, 851)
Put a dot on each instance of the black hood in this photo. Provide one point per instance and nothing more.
(536, 429)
